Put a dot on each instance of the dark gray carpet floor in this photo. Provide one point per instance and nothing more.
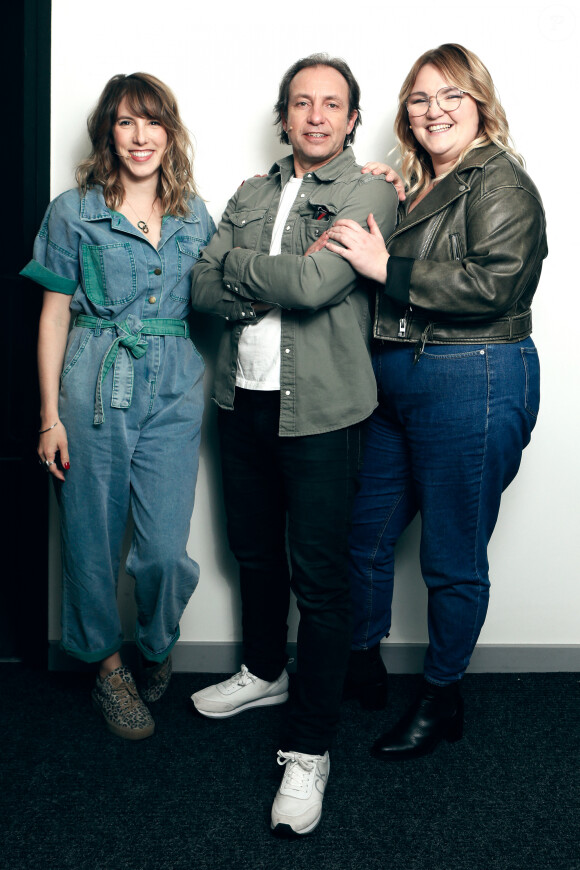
(197, 795)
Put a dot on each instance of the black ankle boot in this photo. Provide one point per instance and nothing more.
(366, 678)
(436, 715)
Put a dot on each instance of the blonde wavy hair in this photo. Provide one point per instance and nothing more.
(147, 97)
(463, 69)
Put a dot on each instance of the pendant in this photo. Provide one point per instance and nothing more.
(143, 226)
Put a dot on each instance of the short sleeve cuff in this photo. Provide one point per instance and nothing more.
(47, 279)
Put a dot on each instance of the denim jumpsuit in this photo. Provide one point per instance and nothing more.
(131, 399)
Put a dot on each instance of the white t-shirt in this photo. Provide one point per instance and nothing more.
(259, 346)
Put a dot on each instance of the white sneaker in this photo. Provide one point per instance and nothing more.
(297, 806)
(239, 693)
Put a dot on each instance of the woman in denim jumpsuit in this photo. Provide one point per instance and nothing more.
(121, 387)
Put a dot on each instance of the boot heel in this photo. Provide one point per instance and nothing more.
(455, 728)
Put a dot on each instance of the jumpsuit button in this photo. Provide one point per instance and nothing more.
(157, 271)
(152, 300)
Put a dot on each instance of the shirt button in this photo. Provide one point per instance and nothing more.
(157, 271)
(287, 350)
(270, 219)
(152, 300)
(302, 195)
(243, 313)
(228, 286)
(287, 229)
(243, 222)
(287, 392)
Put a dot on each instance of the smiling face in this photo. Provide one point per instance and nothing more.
(139, 143)
(318, 120)
(444, 135)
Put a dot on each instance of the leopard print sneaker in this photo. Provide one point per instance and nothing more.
(116, 698)
(153, 678)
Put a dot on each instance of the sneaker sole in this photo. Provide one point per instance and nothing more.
(260, 702)
(126, 733)
(285, 831)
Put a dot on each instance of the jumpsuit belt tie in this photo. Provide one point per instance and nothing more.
(130, 337)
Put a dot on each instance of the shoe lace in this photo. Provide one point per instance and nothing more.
(242, 678)
(298, 770)
(126, 696)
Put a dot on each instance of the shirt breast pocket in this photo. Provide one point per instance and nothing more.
(248, 225)
(188, 253)
(311, 229)
(109, 273)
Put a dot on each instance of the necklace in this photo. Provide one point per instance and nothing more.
(142, 225)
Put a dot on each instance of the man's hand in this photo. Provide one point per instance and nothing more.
(261, 306)
(318, 245)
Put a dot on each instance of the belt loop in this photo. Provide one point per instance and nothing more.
(97, 328)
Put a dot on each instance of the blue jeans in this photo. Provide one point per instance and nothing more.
(296, 492)
(445, 441)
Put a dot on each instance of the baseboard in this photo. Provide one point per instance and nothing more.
(400, 658)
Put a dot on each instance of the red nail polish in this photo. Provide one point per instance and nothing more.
(66, 465)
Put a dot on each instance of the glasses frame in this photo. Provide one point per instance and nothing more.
(436, 98)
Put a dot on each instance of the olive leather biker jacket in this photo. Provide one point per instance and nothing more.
(466, 261)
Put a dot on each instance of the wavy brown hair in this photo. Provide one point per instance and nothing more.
(146, 97)
(463, 69)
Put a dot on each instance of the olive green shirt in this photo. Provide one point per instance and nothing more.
(326, 377)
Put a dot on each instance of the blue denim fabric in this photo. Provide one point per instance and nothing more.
(144, 456)
(446, 440)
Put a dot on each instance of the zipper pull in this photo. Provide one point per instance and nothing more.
(420, 346)
(402, 333)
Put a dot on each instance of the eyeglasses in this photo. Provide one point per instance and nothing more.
(448, 100)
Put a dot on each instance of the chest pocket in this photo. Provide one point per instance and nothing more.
(188, 253)
(109, 273)
(314, 222)
(455, 246)
(248, 225)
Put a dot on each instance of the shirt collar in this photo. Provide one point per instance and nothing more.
(328, 173)
(94, 208)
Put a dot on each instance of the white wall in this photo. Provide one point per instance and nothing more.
(224, 62)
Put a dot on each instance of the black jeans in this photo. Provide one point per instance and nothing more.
(292, 496)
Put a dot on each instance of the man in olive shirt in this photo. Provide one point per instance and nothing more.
(294, 385)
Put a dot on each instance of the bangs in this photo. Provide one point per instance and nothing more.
(143, 101)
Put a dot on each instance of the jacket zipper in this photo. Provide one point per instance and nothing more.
(403, 323)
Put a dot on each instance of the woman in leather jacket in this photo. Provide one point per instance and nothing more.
(457, 374)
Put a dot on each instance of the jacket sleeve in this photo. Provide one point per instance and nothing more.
(318, 280)
(208, 292)
(505, 246)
